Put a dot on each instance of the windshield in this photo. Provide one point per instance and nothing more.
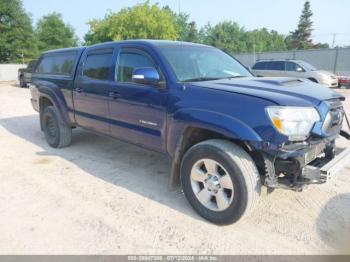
(307, 66)
(194, 63)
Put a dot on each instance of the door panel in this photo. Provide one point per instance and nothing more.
(91, 92)
(137, 112)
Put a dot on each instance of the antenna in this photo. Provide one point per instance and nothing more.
(179, 13)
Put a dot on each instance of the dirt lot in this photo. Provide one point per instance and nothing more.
(101, 196)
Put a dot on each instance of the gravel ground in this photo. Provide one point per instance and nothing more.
(101, 196)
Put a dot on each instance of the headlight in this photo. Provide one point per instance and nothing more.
(294, 122)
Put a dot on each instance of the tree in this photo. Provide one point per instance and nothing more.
(17, 39)
(263, 40)
(227, 35)
(321, 45)
(53, 33)
(140, 21)
(232, 38)
(187, 30)
(301, 37)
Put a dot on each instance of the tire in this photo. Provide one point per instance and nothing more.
(22, 83)
(227, 159)
(57, 133)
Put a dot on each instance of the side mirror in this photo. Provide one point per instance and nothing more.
(299, 69)
(146, 76)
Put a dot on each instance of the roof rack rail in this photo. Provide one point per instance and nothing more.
(275, 59)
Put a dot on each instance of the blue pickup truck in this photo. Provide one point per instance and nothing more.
(226, 132)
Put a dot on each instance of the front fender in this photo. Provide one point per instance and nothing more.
(220, 123)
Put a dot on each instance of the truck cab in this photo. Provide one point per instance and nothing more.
(226, 131)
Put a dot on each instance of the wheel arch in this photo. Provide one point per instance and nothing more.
(221, 127)
(52, 95)
(313, 79)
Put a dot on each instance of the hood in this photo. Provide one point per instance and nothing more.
(279, 90)
(325, 73)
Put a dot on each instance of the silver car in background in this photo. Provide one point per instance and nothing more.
(294, 68)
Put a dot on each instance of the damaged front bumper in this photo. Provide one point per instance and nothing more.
(315, 164)
(325, 170)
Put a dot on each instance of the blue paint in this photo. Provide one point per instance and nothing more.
(155, 117)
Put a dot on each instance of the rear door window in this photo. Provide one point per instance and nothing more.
(57, 64)
(275, 66)
(98, 65)
(259, 66)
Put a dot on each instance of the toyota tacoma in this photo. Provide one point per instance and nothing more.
(226, 132)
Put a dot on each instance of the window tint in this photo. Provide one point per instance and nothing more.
(128, 61)
(57, 64)
(259, 66)
(290, 66)
(275, 65)
(97, 66)
(31, 64)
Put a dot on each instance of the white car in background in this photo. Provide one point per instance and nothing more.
(294, 68)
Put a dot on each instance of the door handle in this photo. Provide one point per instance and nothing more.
(114, 95)
(79, 90)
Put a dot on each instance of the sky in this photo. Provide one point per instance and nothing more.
(330, 16)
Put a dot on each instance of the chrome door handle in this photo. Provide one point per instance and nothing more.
(114, 95)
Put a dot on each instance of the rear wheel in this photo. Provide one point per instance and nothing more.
(57, 132)
(220, 181)
(22, 83)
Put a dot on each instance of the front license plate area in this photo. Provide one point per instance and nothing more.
(313, 153)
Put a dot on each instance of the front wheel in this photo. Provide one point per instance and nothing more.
(220, 181)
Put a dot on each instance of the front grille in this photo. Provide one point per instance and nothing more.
(334, 119)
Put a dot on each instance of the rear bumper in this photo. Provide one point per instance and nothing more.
(34, 97)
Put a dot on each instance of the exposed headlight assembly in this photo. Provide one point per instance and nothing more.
(294, 122)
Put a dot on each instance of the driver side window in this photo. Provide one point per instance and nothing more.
(290, 66)
(128, 61)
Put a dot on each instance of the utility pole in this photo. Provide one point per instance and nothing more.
(254, 56)
(333, 43)
(22, 59)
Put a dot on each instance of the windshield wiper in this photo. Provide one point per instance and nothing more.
(198, 79)
(230, 77)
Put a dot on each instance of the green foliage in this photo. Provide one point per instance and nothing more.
(227, 35)
(140, 21)
(232, 38)
(16, 33)
(301, 37)
(187, 30)
(148, 21)
(320, 45)
(265, 40)
(53, 33)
